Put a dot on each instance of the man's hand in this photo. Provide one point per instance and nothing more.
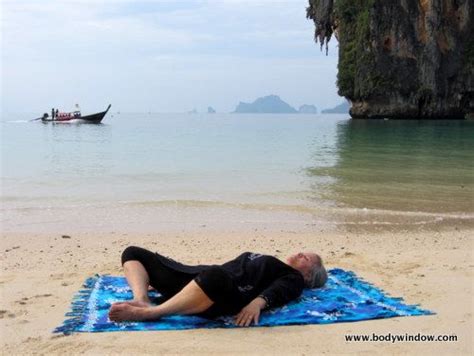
(251, 312)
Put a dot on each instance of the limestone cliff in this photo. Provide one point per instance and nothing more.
(401, 58)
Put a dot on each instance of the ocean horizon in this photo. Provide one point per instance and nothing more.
(276, 171)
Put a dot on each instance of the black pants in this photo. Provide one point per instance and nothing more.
(216, 283)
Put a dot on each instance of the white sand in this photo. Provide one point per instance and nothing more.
(41, 273)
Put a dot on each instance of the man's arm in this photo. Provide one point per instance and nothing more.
(283, 290)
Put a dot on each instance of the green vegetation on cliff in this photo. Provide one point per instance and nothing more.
(469, 56)
(356, 53)
(401, 59)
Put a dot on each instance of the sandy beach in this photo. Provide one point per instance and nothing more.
(41, 273)
(205, 129)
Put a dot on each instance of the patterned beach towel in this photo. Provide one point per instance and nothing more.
(344, 298)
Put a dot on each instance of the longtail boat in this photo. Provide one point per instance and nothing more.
(76, 115)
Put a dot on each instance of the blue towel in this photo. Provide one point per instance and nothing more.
(344, 298)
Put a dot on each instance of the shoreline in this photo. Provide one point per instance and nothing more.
(41, 273)
(224, 217)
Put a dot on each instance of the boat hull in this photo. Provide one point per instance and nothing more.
(90, 119)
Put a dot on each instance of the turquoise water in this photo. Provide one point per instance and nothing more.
(159, 170)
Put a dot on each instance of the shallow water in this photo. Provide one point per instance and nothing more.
(283, 171)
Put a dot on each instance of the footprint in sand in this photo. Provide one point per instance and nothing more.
(23, 301)
(33, 339)
(14, 314)
(6, 313)
(409, 267)
(56, 276)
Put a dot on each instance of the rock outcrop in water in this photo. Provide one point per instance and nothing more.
(342, 108)
(267, 104)
(401, 58)
(307, 109)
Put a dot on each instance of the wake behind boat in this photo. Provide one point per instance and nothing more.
(74, 116)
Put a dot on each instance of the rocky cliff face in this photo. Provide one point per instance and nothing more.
(401, 58)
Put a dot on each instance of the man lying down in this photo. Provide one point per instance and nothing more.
(242, 287)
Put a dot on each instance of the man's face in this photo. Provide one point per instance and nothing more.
(303, 261)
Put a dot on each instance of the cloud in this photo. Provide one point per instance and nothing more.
(133, 51)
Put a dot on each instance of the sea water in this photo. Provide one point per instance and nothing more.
(234, 171)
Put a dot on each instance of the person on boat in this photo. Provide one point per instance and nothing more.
(241, 287)
(57, 113)
(52, 113)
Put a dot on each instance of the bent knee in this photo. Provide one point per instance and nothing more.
(133, 253)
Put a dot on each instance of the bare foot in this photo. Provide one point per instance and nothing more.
(136, 303)
(127, 312)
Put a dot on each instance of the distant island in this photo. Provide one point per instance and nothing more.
(210, 110)
(339, 109)
(271, 104)
(307, 109)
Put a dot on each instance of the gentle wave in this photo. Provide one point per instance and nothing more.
(184, 203)
(203, 204)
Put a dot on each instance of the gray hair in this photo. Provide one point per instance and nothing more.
(319, 276)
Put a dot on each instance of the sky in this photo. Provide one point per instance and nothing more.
(160, 55)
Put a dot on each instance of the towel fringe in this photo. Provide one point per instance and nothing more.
(78, 308)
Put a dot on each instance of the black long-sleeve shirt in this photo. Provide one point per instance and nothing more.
(256, 275)
(266, 276)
